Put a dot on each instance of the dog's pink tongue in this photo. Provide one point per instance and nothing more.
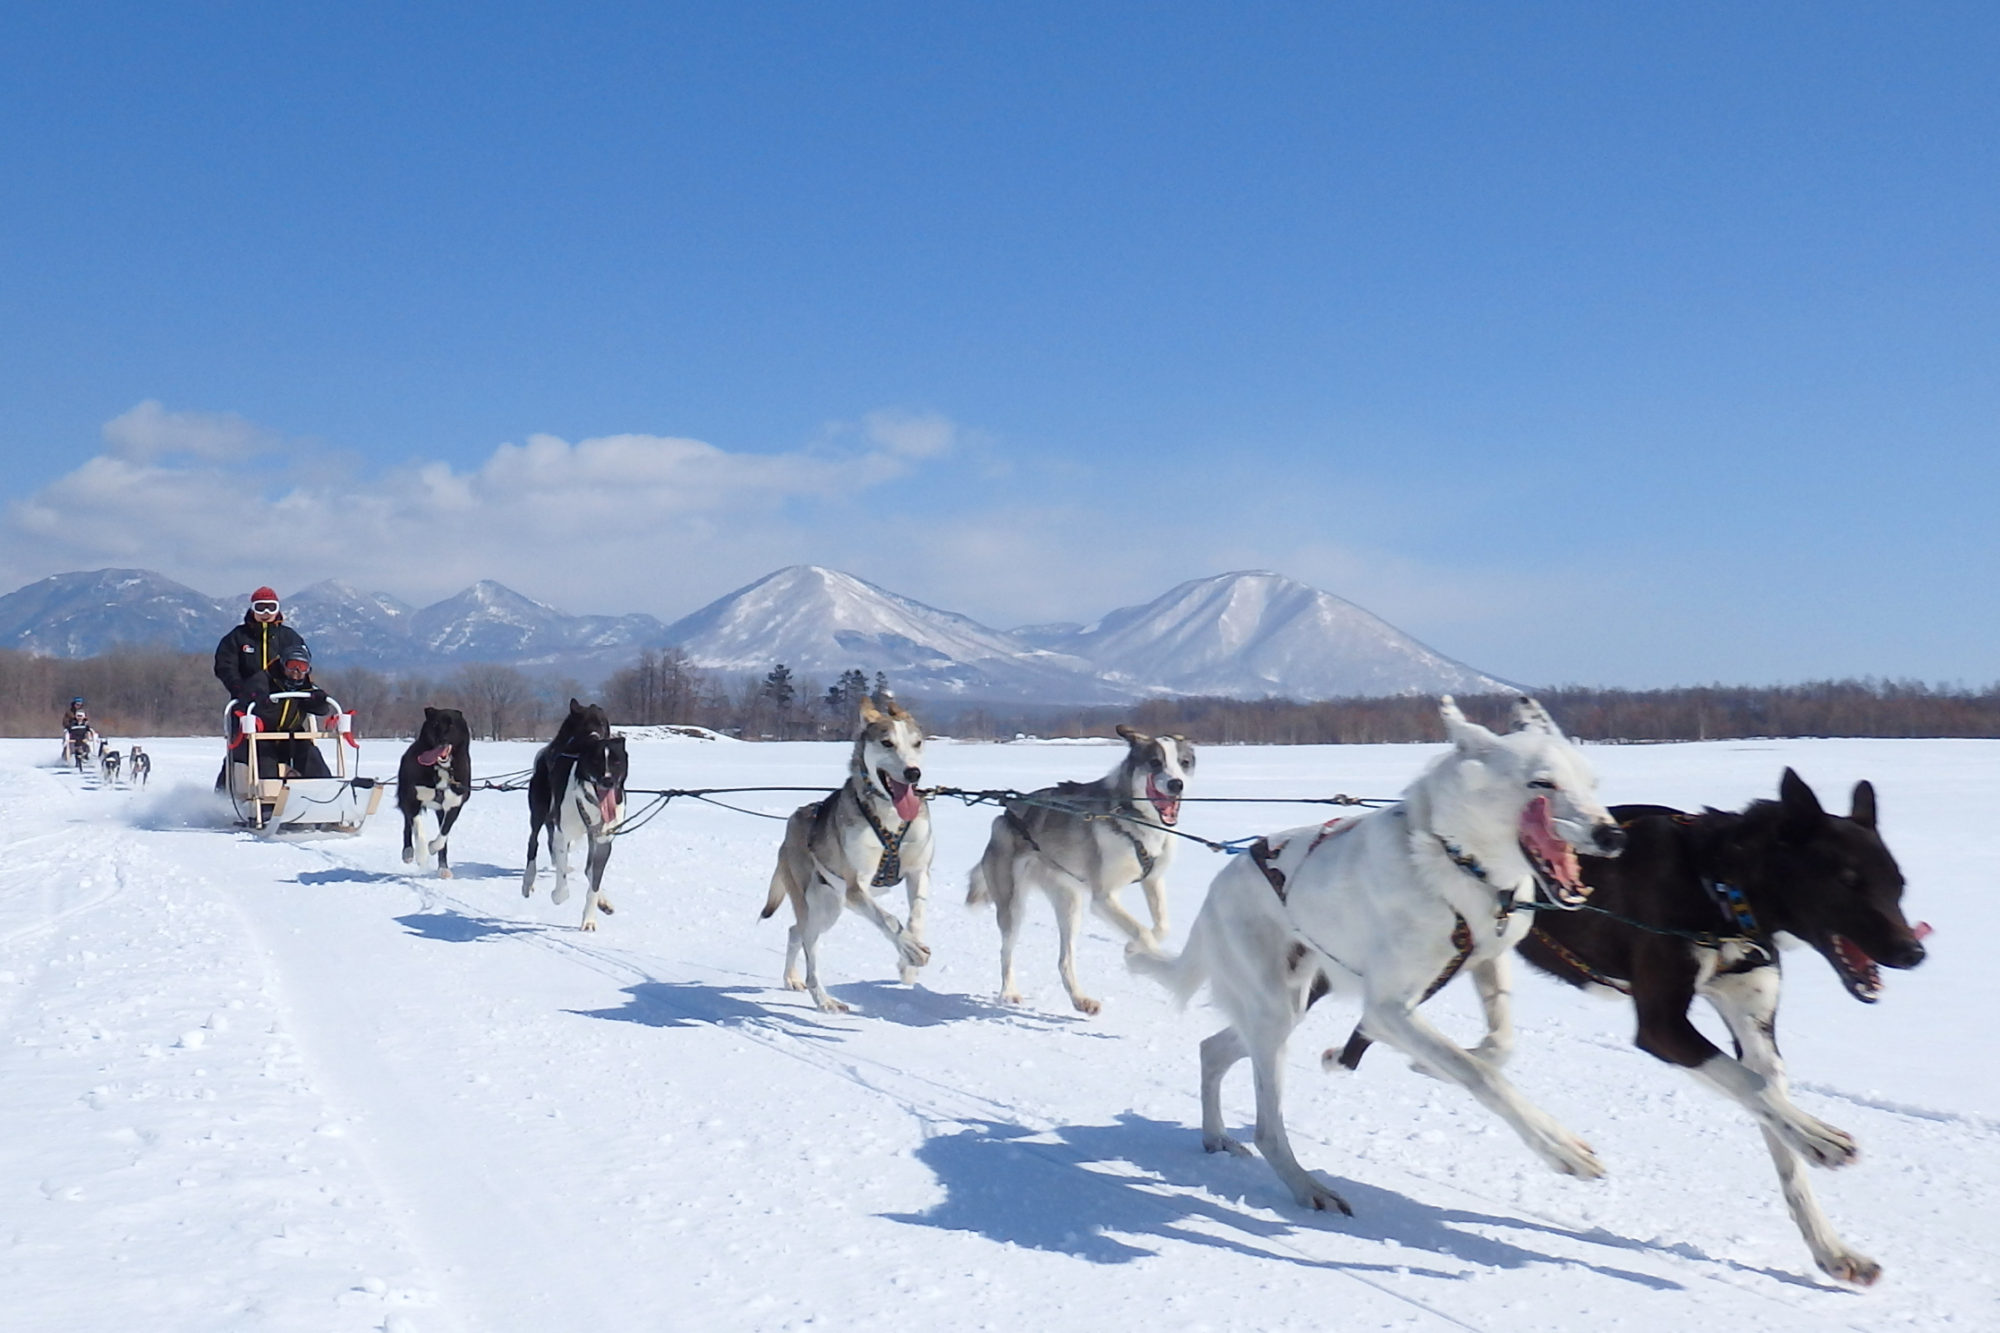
(1168, 806)
(1540, 834)
(906, 799)
(607, 804)
(431, 758)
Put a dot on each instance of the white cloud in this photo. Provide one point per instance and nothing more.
(615, 523)
(150, 431)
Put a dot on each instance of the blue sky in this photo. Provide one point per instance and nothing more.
(1619, 344)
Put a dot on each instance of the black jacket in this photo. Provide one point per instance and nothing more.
(247, 658)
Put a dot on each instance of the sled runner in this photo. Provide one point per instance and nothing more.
(273, 798)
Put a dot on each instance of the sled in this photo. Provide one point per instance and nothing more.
(275, 802)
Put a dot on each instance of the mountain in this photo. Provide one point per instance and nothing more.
(821, 622)
(346, 625)
(86, 613)
(1245, 635)
(1255, 634)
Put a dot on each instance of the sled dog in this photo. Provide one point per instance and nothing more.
(141, 765)
(435, 777)
(108, 761)
(1390, 904)
(873, 832)
(1696, 907)
(1086, 840)
(577, 791)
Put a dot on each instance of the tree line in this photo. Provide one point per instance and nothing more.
(152, 692)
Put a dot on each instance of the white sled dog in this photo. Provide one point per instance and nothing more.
(1079, 840)
(1390, 904)
(871, 833)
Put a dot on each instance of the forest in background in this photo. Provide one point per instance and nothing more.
(153, 692)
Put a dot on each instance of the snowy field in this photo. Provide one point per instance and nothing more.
(248, 1085)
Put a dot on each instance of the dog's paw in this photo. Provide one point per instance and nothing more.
(832, 1006)
(1572, 1156)
(444, 872)
(907, 975)
(1011, 997)
(795, 983)
(588, 925)
(913, 953)
(604, 906)
(559, 894)
(1821, 1143)
(1085, 1005)
(1321, 1199)
(409, 855)
(1223, 1143)
(528, 889)
(1849, 1266)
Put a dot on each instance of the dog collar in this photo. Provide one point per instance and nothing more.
(1504, 902)
(1734, 905)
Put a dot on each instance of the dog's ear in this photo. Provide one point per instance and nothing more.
(1801, 807)
(1130, 735)
(574, 705)
(897, 711)
(1460, 730)
(870, 714)
(1864, 804)
(1529, 715)
(429, 712)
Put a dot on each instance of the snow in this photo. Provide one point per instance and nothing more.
(252, 1085)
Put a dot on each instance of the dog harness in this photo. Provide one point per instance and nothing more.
(890, 870)
(1261, 852)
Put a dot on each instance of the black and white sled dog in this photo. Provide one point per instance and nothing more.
(108, 762)
(873, 832)
(1697, 905)
(1079, 841)
(140, 765)
(577, 791)
(1391, 904)
(434, 777)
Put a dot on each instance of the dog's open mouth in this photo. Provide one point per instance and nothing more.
(901, 795)
(607, 802)
(1857, 970)
(1168, 807)
(432, 758)
(1553, 860)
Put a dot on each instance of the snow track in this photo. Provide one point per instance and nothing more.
(267, 1085)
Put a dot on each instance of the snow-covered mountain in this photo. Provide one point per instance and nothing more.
(345, 624)
(821, 622)
(1255, 634)
(1243, 635)
(85, 613)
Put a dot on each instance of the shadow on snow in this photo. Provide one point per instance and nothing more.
(1098, 1191)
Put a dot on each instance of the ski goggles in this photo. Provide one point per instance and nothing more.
(264, 607)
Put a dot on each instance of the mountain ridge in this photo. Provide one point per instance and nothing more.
(1245, 634)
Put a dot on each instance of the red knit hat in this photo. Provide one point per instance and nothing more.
(264, 595)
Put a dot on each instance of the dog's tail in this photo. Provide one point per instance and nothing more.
(983, 885)
(1182, 975)
(781, 885)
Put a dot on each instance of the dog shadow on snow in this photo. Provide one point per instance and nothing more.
(1010, 1184)
(664, 1004)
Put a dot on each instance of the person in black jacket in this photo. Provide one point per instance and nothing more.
(293, 676)
(247, 658)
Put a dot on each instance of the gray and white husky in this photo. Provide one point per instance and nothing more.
(873, 832)
(1390, 904)
(1087, 840)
